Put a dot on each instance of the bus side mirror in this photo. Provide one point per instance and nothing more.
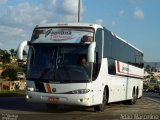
(20, 49)
(91, 51)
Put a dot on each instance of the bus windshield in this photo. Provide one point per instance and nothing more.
(58, 63)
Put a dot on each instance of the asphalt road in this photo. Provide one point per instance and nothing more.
(15, 108)
(152, 96)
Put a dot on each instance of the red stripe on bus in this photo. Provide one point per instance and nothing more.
(48, 87)
(118, 66)
(125, 74)
(129, 75)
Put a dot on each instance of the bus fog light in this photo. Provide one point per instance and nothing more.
(28, 97)
(84, 99)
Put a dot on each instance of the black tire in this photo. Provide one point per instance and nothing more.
(101, 107)
(52, 106)
(137, 93)
(133, 100)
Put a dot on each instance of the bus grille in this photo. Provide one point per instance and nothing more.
(40, 87)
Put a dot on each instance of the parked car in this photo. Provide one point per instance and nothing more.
(145, 90)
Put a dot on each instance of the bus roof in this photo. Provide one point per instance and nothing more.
(71, 25)
(126, 42)
(92, 25)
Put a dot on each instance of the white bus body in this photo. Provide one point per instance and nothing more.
(54, 75)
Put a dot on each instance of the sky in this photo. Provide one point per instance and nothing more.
(136, 21)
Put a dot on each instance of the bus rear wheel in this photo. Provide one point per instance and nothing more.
(133, 100)
(101, 107)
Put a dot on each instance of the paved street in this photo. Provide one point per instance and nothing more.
(152, 96)
(17, 108)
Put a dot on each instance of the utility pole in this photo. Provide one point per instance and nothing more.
(79, 5)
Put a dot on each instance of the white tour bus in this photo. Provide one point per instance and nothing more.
(81, 64)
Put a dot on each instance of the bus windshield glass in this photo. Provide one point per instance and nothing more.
(59, 63)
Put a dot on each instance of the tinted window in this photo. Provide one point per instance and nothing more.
(58, 63)
(98, 54)
(111, 66)
(119, 50)
(98, 39)
(107, 44)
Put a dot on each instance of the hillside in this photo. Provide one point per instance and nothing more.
(152, 64)
(157, 76)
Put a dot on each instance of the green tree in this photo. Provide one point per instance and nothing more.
(6, 58)
(11, 72)
(1, 52)
(13, 52)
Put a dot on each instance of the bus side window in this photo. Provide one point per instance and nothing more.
(96, 61)
(95, 67)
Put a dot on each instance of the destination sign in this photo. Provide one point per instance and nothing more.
(60, 34)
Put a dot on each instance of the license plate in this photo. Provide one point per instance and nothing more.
(53, 99)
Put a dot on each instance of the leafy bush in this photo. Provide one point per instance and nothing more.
(6, 58)
(11, 72)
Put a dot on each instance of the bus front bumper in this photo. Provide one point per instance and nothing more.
(69, 99)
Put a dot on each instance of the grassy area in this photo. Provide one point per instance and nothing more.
(2, 65)
(15, 93)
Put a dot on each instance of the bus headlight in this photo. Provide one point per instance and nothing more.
(80, 91)
(32, 89)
